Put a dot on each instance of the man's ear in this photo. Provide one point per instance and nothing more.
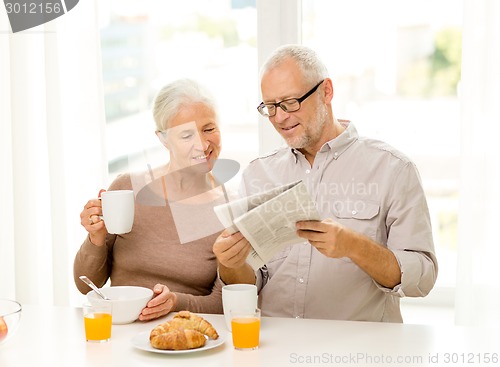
(328, 91)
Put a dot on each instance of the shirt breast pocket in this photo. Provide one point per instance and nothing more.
(281, 255)
(359, 215)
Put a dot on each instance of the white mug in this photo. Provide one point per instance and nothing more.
(118, 210)
(238, 297)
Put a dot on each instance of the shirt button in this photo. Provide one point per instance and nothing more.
(301, 280)
(336, 154)
(354, 212)
(308, 171)
(297, 317)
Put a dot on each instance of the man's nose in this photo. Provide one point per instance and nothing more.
(280, 115)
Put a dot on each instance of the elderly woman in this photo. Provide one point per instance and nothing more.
(170, 246)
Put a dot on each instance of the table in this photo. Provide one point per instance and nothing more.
(54, 336)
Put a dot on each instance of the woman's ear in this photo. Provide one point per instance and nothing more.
(162, 136)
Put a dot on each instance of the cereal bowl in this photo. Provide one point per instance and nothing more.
(10, 317)
(127, 301)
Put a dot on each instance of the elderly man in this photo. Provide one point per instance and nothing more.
(375, 245)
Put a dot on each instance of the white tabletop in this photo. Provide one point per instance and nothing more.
(54, 336)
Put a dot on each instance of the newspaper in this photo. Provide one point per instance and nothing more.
(267, 220)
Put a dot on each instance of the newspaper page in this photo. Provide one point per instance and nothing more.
(267, 220)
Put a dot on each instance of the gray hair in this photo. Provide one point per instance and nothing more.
(308, 61)
(177, 94)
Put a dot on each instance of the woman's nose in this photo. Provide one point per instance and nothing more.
(202, 143)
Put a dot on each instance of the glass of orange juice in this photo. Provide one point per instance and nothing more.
(97, 319)
(246, 329)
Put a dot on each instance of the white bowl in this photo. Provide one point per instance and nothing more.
(127, 301)
(10, 316)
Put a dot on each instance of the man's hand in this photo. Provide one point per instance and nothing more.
(326, 236)
(231, 250)
(334, 240)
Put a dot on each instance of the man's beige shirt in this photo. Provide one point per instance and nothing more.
(369, 187)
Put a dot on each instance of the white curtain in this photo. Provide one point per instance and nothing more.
(52, 151)
(478, 275)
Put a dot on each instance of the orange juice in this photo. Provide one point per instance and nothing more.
(246, 332)
(97, 326)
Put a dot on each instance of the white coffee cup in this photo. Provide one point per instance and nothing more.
(238, 297)
(118, 210)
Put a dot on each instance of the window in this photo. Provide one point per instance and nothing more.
(148, 44)
(396, 75)
(395, 68)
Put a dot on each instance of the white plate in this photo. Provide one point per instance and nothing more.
(141, 341)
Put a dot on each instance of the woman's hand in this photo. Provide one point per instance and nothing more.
(162, 303)
(90, 219)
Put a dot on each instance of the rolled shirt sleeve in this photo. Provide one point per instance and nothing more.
(410, 235)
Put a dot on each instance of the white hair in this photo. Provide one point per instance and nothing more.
(308, 61)
(177, 94)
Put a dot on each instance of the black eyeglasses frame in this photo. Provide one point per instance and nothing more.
(299, 100)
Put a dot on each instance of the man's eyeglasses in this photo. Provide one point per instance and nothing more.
(287, 105)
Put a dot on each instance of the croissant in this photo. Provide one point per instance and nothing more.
(164, 336)
(189, 320)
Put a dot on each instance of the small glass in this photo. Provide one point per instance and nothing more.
(246, 329)
(97, 318)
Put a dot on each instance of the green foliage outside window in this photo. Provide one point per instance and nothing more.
(446, 61)
(437, 74)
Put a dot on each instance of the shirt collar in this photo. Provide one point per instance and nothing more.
(339, 144)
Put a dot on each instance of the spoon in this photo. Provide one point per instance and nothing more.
(87, 281)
